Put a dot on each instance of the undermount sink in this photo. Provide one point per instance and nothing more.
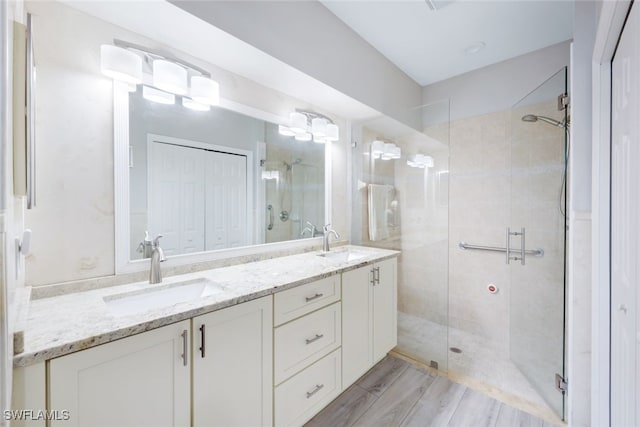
(344, 255)
(159, 296)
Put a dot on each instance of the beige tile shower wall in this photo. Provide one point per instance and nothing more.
(484, 200)
(73, 225)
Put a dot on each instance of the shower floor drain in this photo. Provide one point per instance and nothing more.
(455, 350)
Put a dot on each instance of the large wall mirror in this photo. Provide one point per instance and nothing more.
(217, 179)
(207, 181)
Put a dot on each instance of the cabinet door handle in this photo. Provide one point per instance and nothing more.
(376, 275)
(185, 347)
(316, 296)
(316, 389)
(202, 341)
(314, 339)
(373, 276)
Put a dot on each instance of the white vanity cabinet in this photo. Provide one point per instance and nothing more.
(369, 317)
(232, 366)
(223, 357)
(142, 380)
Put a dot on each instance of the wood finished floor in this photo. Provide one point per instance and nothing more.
(396, 393)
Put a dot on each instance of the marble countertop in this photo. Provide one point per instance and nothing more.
(64, 324)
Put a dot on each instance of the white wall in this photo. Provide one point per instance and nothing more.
(579, 236)
(497, 87)
(307, 36)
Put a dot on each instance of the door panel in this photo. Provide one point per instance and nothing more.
(226, 189)
(176, 197)
(625, 227)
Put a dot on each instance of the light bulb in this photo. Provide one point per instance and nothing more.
(169, 77)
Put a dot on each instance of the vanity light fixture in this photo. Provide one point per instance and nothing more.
(308, 125)
(120, 64)
(298, 122)
(204, 90)
(133, 64)
(169, 77)
(152, 94)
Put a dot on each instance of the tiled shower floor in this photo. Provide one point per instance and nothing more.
(480, 365)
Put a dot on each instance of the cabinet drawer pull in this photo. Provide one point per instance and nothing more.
(202, 341)
(314, 339)
(185, 348)
(316, 296)
(316, 389)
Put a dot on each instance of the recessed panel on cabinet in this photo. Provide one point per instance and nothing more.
(300, 343)
(304, 395)
(304, 299)
(142, 380)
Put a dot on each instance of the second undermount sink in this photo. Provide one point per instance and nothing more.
(346, 255)
(160, 296)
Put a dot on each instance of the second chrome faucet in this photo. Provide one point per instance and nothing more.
(327, 232)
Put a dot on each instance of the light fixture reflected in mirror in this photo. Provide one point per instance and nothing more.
(385, 150)
(193, 105)
(420, 161)
(284, 130)
(303, 137)
(155, 95)
(308, 125)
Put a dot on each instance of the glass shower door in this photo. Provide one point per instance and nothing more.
(537, 237)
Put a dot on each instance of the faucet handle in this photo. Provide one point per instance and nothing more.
(326, 227)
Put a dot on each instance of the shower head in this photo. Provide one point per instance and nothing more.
(532, 118)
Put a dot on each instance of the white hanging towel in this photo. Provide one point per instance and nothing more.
(378, 205)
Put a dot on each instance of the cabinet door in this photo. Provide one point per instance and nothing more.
(136, 381)
(232, 368)
(357, 292)
(385, 317)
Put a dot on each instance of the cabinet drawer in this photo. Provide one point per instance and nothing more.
(304, 395)
(303, 299)
(300, 343)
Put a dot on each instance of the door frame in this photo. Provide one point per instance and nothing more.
(610, 25)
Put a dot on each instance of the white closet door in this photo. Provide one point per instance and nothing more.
(625, 227)
(176, 197)
(226, 202)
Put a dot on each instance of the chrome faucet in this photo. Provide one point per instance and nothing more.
(310, 228)
(327, 232)
(157, 256)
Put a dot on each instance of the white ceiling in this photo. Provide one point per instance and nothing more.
(429, 45)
